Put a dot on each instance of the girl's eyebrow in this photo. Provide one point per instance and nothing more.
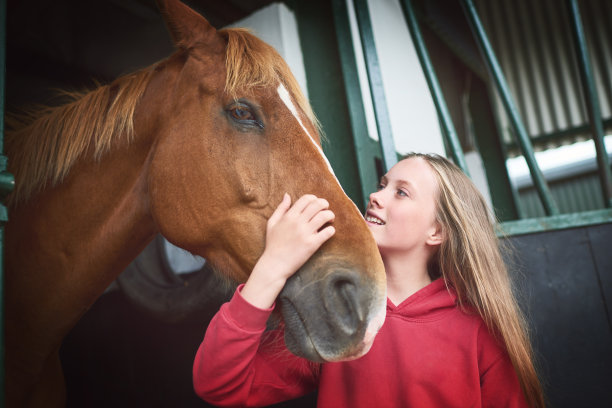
(407, 183)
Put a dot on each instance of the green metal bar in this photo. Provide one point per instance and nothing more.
(365, 155)
(555, 137)
(318, 40)
(591, 100)
(3, 211)
(498, 77)
(557, 222)
(533, 13)
(383, 122)
(488, 138)
(434, 87)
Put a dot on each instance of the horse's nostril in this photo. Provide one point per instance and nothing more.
(344, 304)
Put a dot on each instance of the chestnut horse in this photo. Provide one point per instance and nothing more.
(199, 147)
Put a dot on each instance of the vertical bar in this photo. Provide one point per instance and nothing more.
(596, 13)
(491, 147)
(7, 183)
(591, 100)
(523, 138)
(539, 35)
(383, 122)
(526, 38)
(3, 212)
(434, 87)
(364, 154)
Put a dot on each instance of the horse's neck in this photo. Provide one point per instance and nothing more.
(76, 237)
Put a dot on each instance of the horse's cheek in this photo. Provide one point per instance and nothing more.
(244, 232)
(180, 221)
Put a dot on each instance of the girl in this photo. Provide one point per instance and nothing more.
(453, 335)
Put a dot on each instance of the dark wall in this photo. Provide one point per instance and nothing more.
(565, 278)
(118, 356)
(54, 44)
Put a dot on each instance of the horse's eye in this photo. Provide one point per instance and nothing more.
(242, 114)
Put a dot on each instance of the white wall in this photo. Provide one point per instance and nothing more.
(412, 113)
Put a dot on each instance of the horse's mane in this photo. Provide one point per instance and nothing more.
(94, 121)
(252, 63)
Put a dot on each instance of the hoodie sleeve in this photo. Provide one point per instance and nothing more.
(499, 384)
(239, 364)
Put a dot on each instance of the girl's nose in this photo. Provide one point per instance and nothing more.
(375, 199)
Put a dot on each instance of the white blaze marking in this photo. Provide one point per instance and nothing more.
(286, 98)
(376, 318)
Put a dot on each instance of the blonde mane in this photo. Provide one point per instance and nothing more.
(43, 148)
(42, 153)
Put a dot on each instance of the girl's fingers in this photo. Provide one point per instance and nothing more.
(301, 203)
(325, 234)
(321, 218)
(314, 208)
(280, 210)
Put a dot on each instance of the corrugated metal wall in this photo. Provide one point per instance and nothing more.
(532, 41)
(576, 194)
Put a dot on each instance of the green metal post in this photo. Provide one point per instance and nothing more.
(328, 96)
(383, 122)
(7, 183)
(591, 100)
(366, 157)
(490, 145)
(498, 77)
(3, 212)
(434, 87)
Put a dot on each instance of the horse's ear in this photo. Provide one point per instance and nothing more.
(186, 26)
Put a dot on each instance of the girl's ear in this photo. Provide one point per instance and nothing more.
(436, 237)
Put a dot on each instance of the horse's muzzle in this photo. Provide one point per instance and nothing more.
(333, 317)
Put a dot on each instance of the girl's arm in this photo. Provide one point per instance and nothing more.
(233, 366)
(499, 384)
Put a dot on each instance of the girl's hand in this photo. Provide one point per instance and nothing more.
(293, 234)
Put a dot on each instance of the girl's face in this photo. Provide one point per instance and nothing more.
(401, 214)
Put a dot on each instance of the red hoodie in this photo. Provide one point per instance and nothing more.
(428, 354)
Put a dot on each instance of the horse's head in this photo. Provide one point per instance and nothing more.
(233, 133)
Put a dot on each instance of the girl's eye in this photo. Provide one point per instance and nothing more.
(380, 187)
(402, 193)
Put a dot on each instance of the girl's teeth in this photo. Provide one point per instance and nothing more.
(374, 220)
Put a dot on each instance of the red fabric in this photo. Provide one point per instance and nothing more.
(427, 354)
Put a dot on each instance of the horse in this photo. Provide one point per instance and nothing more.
(199, 147)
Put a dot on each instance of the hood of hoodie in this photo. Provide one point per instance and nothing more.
(429, 303)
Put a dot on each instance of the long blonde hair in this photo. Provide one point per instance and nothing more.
(470, 261)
